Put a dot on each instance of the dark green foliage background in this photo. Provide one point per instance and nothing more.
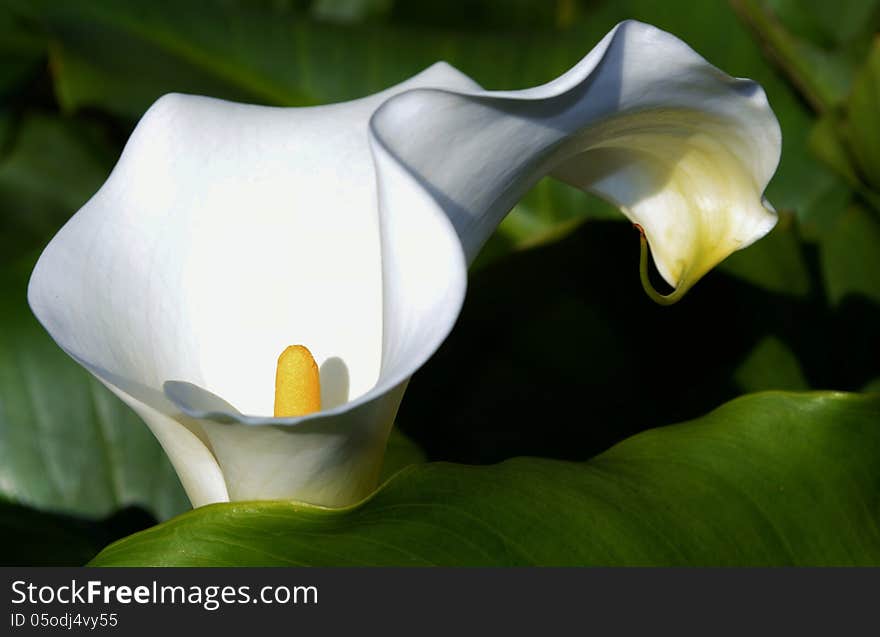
(558, 354)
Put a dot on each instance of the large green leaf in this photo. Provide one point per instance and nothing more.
(771, 478)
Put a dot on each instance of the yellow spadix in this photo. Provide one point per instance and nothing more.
(297, 383)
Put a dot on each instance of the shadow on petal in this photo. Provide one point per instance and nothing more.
(334, 383)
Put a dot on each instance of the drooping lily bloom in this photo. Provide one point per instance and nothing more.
(228, 232)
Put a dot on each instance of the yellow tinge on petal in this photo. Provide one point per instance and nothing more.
(712, 208)
(686, 179)
(297, 383)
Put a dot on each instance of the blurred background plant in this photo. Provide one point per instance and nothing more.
(557, 353)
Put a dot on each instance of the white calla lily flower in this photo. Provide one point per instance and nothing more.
(228, 231)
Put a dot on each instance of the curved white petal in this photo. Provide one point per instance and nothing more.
(685, 150)
(227, 232)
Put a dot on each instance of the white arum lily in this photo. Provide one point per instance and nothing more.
(228, 231)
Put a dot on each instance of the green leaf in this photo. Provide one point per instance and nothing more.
(822, 47)
(52, 168)
(863, 126)
(400, 453)
(775, 263)
(825, 142)
(821, 69)
(846, 139)
(769, 479)
(350, 10)
(850, 252)
(833, 25)
(66, 443)
(770, 364)
(21, 52)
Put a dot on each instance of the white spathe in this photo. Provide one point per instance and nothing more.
(228, 231)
